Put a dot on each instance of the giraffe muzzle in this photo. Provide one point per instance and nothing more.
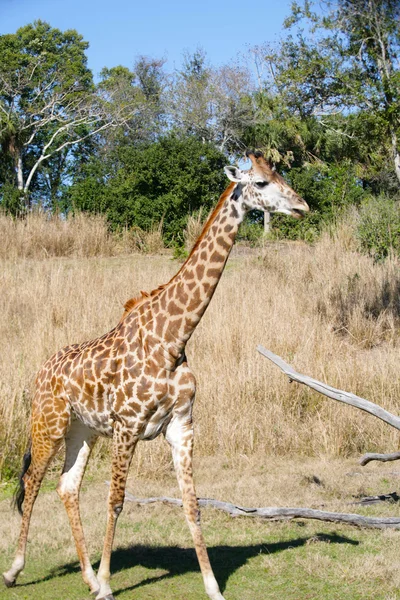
(298, 213)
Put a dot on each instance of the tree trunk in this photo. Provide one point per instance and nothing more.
(396, 155)
(20, 175)
(20, 178)
(267, 219)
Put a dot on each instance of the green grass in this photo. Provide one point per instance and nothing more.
(253, 560)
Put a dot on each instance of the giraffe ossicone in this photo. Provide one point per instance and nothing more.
(134, 383)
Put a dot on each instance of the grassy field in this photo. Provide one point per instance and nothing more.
(331, 312)
(328, 310)
(253, 559)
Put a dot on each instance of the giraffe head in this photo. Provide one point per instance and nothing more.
(262, 188)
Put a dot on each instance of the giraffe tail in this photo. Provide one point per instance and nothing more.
(19, 493)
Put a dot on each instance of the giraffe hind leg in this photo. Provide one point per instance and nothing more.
(42, 451)
(79, 442)
(124, 443)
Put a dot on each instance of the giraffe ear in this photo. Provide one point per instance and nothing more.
(233, 173)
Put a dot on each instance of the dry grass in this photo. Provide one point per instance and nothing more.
(147, 242)
(328, 310)
(194, 228)
(41, 236)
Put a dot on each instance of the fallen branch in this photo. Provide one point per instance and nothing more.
(332, 392)
(341, 396)
(368, 500)
(364, 460)
(277, 514)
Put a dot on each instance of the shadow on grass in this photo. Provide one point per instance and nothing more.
(225, 560)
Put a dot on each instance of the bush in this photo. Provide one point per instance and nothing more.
(11, 200)
(328, 190)
(164, 181)
(252, 229)
(378, 230)
(308, 229)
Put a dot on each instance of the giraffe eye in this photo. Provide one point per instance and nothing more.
(261, 184)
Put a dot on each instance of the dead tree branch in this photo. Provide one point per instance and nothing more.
(341, 396)
(332, 392)
(364, 460)
(278, 514)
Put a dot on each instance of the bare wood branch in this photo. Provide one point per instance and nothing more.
(332, 392)
(364, 460)
(79, 139)
(278, 514)
(368, 500)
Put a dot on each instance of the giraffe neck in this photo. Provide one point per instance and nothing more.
(178, 308)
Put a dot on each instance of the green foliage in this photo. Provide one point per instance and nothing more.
(378, 229)
(285, 228)
(145, 148)
(35, 54)
(328, 190)
(87, 193)
(165, 181)
(349, 65)
(252, 229)
(12, 201)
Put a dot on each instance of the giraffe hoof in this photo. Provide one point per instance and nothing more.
(8, 582)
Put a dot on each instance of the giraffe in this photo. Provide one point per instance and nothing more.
(134, 383)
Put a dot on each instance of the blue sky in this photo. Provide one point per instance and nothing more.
(120, 30)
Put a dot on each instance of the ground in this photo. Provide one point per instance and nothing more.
(252, 559)
(332, 314)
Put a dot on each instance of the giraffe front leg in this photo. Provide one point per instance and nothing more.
(124, 443)
(179, 435)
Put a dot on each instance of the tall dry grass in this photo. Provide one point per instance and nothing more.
(328, 310)
(194, 227)
(41, 235)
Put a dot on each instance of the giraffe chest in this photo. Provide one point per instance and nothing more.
(155, 401)
(146, 405)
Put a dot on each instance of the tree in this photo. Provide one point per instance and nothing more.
(347, 74)
(213, 104)
(48, 102)
(233, 107)
(140, 89)
(302, 133)
(190, 96)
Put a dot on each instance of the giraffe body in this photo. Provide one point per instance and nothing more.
(134, 383)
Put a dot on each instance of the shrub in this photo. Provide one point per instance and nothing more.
(164, 181)
(328, 190)
(378, 230)
(252, 230)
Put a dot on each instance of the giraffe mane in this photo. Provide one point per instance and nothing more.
(139, 300)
